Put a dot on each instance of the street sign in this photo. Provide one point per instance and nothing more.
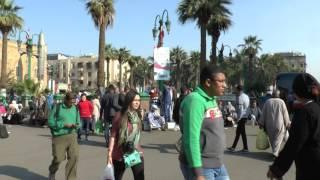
(161, 58)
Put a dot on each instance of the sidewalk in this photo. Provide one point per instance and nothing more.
(26, 155)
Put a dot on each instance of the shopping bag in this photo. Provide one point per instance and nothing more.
(262, 142)
(3, 131)
(108, 173)
(99, 128)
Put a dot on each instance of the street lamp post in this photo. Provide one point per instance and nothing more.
(51, 72)
(29, 45)
(220, 56)
(160, 28)
(159, 31)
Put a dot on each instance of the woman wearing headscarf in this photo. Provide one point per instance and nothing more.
(126, 130)
(303, 145)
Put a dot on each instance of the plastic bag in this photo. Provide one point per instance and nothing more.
(98, 127)
(262, 142)
(108, 173)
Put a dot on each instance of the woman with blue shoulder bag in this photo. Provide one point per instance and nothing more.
(124, 149)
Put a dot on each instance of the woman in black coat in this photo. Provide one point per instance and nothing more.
(303, 145)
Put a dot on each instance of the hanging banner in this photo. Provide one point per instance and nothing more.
(161, 66)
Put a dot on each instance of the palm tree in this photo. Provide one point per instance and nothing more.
(217, 23)
(251, 47)
(194, 60)
(133, 61)
(201, 11)
(177, 57)
(27, 86)
(102, 13)
(9, 21)
(123, 55)
(109, 55)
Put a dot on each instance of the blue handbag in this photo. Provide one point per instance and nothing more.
(131, 159)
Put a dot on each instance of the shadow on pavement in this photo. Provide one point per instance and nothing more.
(20, 173)
(263, 156)
(163, 148)
(45, 135)
(92, 143)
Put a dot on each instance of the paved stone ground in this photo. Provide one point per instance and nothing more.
(26, 154)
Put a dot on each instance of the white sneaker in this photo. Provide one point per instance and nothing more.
(176, 128)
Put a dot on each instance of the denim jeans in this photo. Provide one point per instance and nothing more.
(85, 127)
(220, 173)
(107, 131)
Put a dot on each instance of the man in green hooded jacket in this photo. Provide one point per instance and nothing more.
(202, 127)
(64, 120)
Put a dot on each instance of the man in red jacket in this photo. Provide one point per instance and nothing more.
(85, 110)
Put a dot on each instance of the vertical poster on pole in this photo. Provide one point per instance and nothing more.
(161, 58)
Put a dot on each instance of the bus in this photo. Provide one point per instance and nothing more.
(284, 83)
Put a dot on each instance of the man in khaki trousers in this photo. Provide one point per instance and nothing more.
(64, 120)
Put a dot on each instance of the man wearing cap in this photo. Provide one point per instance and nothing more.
(64, 120)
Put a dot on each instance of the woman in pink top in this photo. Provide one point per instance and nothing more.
(126, 127)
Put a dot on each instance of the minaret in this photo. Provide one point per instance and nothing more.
(42, 59)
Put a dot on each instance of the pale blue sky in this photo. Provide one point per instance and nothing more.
(283, 25)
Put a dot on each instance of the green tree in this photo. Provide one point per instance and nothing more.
(109, 55)
(201, 11)
(102, 13)
(190, 70)
(27, 87)
(133, 61)
(217, 24)
(250, 48)
(123, 55)
(177, 57)
(143, 72)
(9, 21)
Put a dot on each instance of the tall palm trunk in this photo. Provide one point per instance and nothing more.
(131, 77)
(101, 77)
(4, 59)
(203, 45)
(108, 71)
(213, 57)
(178, 76)
(250, 72)
(120, 75)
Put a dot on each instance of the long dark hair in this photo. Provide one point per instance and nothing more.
(129, 98)
(131, 94)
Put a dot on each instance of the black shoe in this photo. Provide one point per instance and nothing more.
(231, 149)
(244, 151)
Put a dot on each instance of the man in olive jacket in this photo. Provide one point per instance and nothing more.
(64, 120)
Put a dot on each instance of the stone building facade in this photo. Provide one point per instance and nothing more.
(80, 73)
(295, 60)
(17, 62)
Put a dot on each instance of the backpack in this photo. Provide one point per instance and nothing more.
(3, 131)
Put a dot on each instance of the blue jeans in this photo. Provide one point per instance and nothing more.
(220, 173)
(85, 122)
